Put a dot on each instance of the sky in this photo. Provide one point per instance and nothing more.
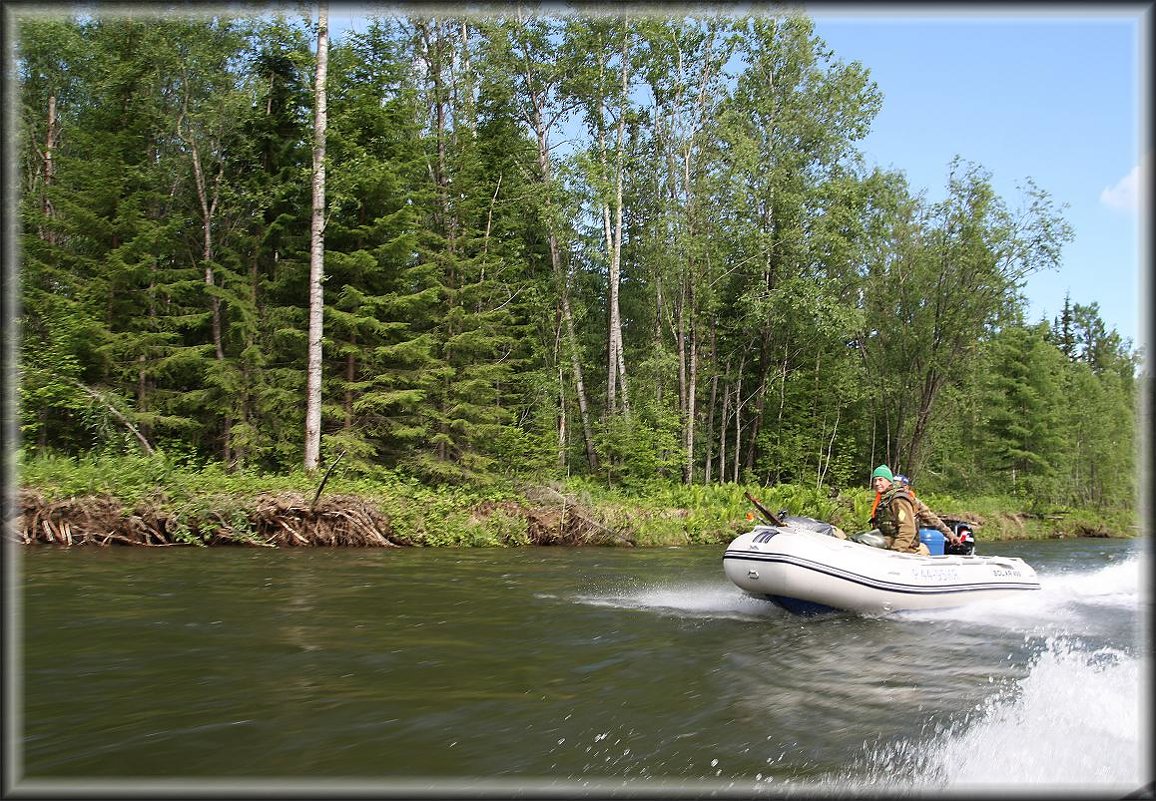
(1054, 93)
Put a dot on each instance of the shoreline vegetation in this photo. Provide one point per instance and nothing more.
(146, 501)
(530, 278)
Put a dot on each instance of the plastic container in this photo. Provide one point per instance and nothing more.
(933, 539)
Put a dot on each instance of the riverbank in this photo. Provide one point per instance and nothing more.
(152, 502)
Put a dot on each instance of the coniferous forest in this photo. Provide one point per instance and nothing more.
(548, 244)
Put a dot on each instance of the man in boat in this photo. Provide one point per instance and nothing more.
(895, 513)
(924, 517)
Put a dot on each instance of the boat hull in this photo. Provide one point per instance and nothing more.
(807, 572)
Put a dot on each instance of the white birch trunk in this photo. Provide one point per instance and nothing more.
(46, 233)
(317, 247)
(616, 367)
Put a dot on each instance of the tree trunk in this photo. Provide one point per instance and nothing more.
(738, 414)
(738, 426)
(712, 361)
(782, 402)
(47, 234)
(616, 367)
(691, 407)
(680, 346)
(688, 378)
(576, 366)
(913, 457)
(722, 429)
(614, 328)
(208, 206)
(317, 247)
(825, 464)
(465, 100)
(435, 64)
(441, 174)
(350, 377)
(563, 434)
(142, 381)
(561, 273)
(687, 325)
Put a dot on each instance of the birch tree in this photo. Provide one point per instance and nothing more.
(599, 50)
(317, 247)
(528, 43)
(683, 61)
(795, 114)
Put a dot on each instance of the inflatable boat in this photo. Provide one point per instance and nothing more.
(807, 568)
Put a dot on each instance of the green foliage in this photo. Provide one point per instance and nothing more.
(640, 447)
(933, 299)
(202, 501)
(778, 302)
(1022, 423)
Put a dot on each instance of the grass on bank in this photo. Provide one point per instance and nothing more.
(660, 514)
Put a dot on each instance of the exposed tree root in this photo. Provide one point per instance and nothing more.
(286, 520)
(289, 520)
(271, 521)
(560, 519)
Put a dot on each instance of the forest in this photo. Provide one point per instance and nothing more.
(625, 247)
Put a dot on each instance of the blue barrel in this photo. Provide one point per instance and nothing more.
(933, 539)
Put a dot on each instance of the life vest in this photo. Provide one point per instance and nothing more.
(875, 503)
(884, 518)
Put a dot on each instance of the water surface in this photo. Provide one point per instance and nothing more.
(566, 668)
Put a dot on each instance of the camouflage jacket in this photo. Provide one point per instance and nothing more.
(895, 519)
(926, 518)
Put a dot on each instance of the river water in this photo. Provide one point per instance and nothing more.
(563, 670)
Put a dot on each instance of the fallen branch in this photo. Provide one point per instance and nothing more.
(324, 479)
(118, 415)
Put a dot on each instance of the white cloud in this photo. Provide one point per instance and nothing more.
(1130, 193)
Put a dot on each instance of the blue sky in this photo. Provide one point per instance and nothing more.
(1054, 94)
(1051, 93)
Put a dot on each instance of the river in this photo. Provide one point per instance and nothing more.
(562, 670)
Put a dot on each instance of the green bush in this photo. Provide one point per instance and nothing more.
(203, 499)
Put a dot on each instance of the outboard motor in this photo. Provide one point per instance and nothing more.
(966, 545)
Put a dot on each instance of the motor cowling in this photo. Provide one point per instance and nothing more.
(965, 545)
